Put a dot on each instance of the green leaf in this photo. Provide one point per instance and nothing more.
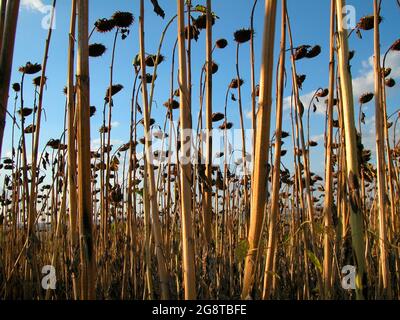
(200, 8)
(314, 260)
(241, 250)
(203, 9)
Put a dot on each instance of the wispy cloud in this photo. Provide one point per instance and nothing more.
(115, 124)
(95, 144)
(361, 84)
(34, 5)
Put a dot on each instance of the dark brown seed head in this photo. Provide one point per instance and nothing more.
(313, 52)
(214, 68)
(96, 50)
(367, 23)
(152, 60)
(201, 21)
(104, 25)
(221, 43)
(235, 83)
(300, 79)
(113, 91)
(301, 52)
(16, 87)
(172, 104)
(390, 83)
(351, 54)
(149, 78)
(285, 134)
(243, 35)
(54, 143)
(217, 116)
(123, 19)
(395, 46)
(193, 33)
(104, 129)
(226, 126)
(30, 68)
(323, 93)
(30, 129)
(36, 81)
(366, 97)
(92, 111)
(387, 72)
(25, 112)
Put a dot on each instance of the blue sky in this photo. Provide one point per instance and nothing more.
(310, 24)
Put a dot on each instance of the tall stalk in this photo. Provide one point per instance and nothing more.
(72, 179)
(380, 155)
(272, 234)
(258, 200)
(185, 165)
(34, 165)
(87, 255)
(353, 169)
(6, 59)
(152, 192)
(207, 209)
(328, 200)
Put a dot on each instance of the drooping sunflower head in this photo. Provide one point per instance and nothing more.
(123, 19)
(395, 46)
(37, 80)
(96, 50)
(366, 97)
(243, 35)
(104, 25)
(30, 68)
(221, 43)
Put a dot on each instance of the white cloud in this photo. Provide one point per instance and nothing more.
(34, 5)
(318, 138)
(95, 144)
(115, 124)
(249, 114)
(361, 84)
(365, 82)
(306, 100)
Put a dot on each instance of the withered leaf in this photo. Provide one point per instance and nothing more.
(157, 9)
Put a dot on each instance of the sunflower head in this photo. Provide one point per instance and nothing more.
(96, 50)
(214, 67)
(192, 33)
(16, 87)
(152, 60)
(390, 83)
(367, 23)
(149, 78)
(201, 21)
(235, 83)
(36, 81)
(123, 19)
(113, 90)
(323, 93)
(387, 72)
(313, 52)
(30, 68)
(395, 46)
(243, 35)
(221, 43)
(301, 52)
(104, 25)
(366, 97)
